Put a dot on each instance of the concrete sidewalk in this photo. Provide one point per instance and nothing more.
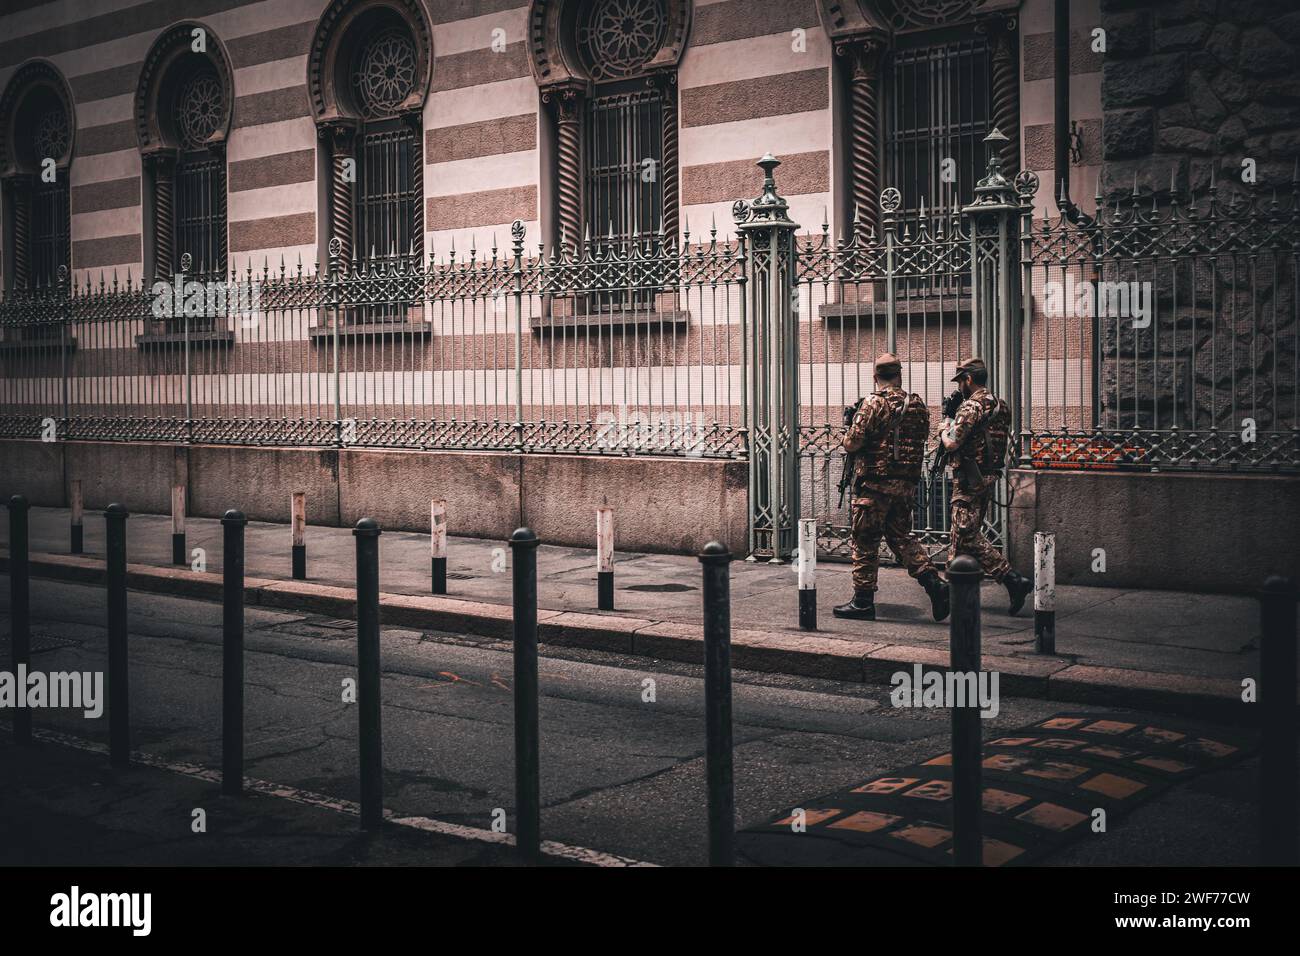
(1175, 650)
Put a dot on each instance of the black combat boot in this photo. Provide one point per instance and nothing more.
(937, 588)
(861, 608)
(1018, 587)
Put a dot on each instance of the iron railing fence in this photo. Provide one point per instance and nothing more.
(904, 290)
(500, 349)
(1164, 335)
(1146, 336)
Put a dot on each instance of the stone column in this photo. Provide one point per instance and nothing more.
(1001, 32)
(568, 164)
(18, 196)
(161, 164)
(415, 123)
(340, 134)
(864, 56)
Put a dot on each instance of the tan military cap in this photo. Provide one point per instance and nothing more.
(887, 363)
(970, 365)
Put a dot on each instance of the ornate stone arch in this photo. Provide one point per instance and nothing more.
(171, 52)
(36, 83)
(553, 52)
(37, 122)
(337, 32)
(348, 29)
(184, 105)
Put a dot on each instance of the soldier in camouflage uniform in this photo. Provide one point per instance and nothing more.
(887, 434)
(977, 441)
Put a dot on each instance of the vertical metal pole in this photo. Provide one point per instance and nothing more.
(605, 558)
(716, 562)
(965, 574)
(808, 574)
(1045, 592)
(528, 791)
(178, 525)
(368, 703)
(20, 612)
(298, 532)
(517, 252)
(1278, 778)
(232, 652)
(75, 505)
(438, 545)
(119, 707)
(337, 262)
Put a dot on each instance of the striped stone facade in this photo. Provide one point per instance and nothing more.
(755, 76)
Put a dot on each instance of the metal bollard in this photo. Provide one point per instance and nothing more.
(179, 553)
(298, 532)
(119, 697)
(808, 573)
(964, 576)
(20, 610)
(1278, 782)
(75, 506)
(232, 652)
(368, 703)
(716, 561)
(438, 544)
(1044, 592)
(528, 788)
(605, 558)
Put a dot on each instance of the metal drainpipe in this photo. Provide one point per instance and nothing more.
(1061, 79)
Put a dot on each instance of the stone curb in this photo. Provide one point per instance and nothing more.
(795, 654)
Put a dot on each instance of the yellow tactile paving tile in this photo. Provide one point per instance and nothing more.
(1000, 801)
(1109, 727)
(811, 817)
(865, 821)
(1167, 764)
(1052, 816)
(1055, 770)
(923, 834)
(886, 785)
(1212, 748)
(1112, 785)
(997, 852)
(932, 790)
(1062, 723)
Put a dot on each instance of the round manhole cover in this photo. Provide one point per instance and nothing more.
(661, 588)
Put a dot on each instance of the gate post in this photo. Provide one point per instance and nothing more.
(772, 395)
(993, 226)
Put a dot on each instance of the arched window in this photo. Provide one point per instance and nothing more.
(36, 120)
(925, 81)
(183, 106)
(386, 208)
(623, 119)
(608, 69)
(368, 76)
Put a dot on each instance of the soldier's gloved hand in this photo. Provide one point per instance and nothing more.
(849, 412)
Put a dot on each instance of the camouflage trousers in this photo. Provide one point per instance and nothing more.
(884, 510)
(967, 531)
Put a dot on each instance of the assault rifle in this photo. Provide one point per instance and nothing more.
(846, 476)
(970, 470)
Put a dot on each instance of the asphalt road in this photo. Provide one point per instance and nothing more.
(621, 772)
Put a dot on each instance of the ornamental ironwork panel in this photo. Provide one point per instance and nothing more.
(617, 37)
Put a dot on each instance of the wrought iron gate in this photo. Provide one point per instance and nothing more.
(931, 287)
